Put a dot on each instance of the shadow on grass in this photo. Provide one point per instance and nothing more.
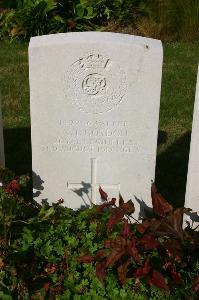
(18, 150)
(171, 170)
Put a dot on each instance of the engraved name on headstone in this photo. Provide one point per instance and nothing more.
(94, 110)
(192, 190)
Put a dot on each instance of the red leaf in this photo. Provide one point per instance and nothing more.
(101, 254)
(132, 250)
(114, 257)
(100, 271)
(128, 207)
(85, 259)
(125, 230)
(160, 205)
(13, 187)
(57, 289)
(104, 196)
(116, 244)
(71, 24)
(144, 226)
(108, 243)
(51, 269)
(173, 248)
(196, 284)
(105, 205)
(46, 286)
(176, 219)
(64, 266)
(149, 242)
(122, 271)
(99, 230)
(168, 226)
(158, 280)
(143, 271)
(176, 277)
(116, 216)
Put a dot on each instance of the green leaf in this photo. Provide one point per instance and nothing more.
(28, 239)
(80, 10)
(59, 19)
(84, 2)
(107, 13)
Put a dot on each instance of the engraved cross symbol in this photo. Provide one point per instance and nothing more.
(94, 186)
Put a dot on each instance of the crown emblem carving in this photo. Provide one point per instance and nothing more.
(94, 61)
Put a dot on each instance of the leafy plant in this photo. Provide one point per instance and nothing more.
(52, 252)
(31, 18)
(154, 249)
(38, 17)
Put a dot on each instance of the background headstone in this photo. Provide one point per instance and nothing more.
(94, 110)
(2, 155)
(192, 188)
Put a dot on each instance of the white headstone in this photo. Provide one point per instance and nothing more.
(2, 155)
(94, 109)
(192, 188)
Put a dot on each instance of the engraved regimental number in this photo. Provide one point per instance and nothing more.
(95, 83)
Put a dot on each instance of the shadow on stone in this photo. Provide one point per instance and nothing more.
(194, 217)
(37, 185)
(83, 192)
(145, 210)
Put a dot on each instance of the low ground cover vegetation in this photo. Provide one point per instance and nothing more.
(103, 252)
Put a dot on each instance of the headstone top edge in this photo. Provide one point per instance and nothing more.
(65, 38)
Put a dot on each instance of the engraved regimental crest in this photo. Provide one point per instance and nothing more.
(95, 84)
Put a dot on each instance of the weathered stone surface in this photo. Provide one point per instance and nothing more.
(192, 188)
(94, 109)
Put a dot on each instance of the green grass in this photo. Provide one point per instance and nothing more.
(14, 88)
(178, 91)
(176, 112)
